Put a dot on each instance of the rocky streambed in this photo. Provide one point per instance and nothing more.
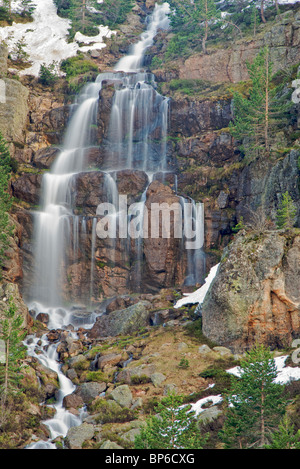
(117, 377)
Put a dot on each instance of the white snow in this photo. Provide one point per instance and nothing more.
(199, 295)
(197, 407)
(46, 38)
(285, 373)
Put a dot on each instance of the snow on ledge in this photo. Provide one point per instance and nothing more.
(199, 295)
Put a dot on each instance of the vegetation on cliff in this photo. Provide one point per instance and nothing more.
(174, 355)
(86, 15)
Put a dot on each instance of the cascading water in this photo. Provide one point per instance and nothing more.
(137, 139)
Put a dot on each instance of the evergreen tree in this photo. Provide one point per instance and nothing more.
(174, 427)
(195, 16)
(287, 212)
(12, 334)
(285, 437)
(257, 116)
(255, 402)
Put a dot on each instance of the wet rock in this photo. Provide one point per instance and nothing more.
(90, 390)
(73, 401)
(162, 254)
(44, 158)
(43, 317)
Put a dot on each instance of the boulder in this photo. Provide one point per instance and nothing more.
(73, 401)
(78, 435)
(122, 395)
(110, 359)
(255, 296)
(90, 390)
(125, 321)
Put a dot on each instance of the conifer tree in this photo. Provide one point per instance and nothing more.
(5, 200)
(285, 437)
(12, 334)
(196, 15)
(257, 115)
(286, 213)
(256, 402)
(174, 427)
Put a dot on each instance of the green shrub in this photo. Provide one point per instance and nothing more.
(78, 65)
(111, 412)
(48, 75)
(143, 379)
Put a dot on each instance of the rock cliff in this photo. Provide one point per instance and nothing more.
(255, 297)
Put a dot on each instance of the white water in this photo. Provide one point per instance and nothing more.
(56, 221)
(63, 419)
(134, 61)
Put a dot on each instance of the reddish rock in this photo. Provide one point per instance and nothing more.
(73, 401)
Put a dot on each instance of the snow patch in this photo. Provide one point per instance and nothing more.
(46, 38)
(285, 374)
(198, 296)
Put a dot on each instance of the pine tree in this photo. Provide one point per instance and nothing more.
(12, 334)
(196, 16)
(6, 227)
(255, 402)
(175, 427)
(286, 213)
(285, 437)
(257, 116)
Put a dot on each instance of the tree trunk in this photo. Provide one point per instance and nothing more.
(206, 29)
(262, 13)
(205, 38)
(267, 104)
(83, 12)
(262, 419)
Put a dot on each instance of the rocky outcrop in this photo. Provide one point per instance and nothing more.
(255, 296)
(126, 321)
(13, 111)
(162, 253)
(27, 188)
(229, 65)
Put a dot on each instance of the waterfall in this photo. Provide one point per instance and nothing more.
(137, 139)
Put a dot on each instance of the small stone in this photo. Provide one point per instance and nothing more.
(204, 349)
(157, 379)
(110, 445)
(223, 351)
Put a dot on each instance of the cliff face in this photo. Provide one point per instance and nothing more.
(201, 152)
(14, 107)
(229, 64)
